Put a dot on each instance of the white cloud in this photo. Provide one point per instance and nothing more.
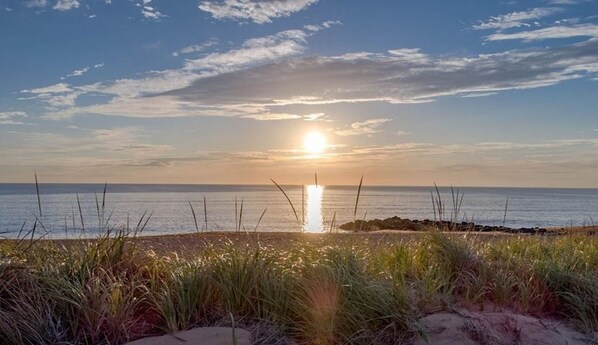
(56, 88)
(552, 32)
(265, 74)
(150, 12)
(314, 117)
(57, 95)
(271, 117)
(479, 94)
(258, 11)
(36, 3)
(66, 5)
(253, 52)
(565, 2)
(516, 19)
(78, 72)
(367, 127)
(325, 25)
(392, 78)
(82, 71)
(196, 47)
(9, 117)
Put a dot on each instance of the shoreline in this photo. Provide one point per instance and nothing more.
(187, 244)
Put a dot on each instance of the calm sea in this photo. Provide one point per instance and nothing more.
(527, 207)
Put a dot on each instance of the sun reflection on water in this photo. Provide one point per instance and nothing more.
(314, 221)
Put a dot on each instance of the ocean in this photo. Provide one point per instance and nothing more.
(171, 213)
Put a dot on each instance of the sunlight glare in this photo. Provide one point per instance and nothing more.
(314, 143)
(314, 221)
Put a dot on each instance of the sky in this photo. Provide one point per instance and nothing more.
(405, 92)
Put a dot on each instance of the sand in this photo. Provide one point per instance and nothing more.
(497, 328)
(199, 336)
(185, 245)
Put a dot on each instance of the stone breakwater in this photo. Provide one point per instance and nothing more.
(397, 223)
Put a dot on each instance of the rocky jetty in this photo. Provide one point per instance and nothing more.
(398, 223)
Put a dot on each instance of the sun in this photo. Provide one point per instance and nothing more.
(314, 143)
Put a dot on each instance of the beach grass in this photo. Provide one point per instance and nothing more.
(110, 290)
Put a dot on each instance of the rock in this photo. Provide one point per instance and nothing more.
(199, 336)
(398, 223)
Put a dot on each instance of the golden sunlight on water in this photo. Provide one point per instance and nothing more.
(314, 221)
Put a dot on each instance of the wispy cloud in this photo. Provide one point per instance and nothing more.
(58, 95)
(516, 19)
(325, 25)
(11, 117)
(149, 11)
(552, 32)
(366, 127)
(391, 77)
(66, 5)
(82, 71)
(87, 146)
(566, 2)
(258, 11)
(36, 3)
(479, 94)
(265, 74)
(196, 47)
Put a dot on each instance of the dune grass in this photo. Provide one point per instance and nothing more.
(109, 291)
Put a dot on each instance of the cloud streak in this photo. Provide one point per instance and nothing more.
(366, 127)
(265, 74)
(257, 11)
(12, 117)
(516, 19)
(66, 5)
(196, 47)
(406, 77)
(149, 11)
(552, 32)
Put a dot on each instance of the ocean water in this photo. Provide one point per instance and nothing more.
(171, 213)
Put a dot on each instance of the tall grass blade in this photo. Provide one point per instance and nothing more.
(80, 214)
(357, 200)
(260, 220)
(504, 218)
(98, 211)
(433, 204)
(194, 217)
(332, 223)
(439, 204)
(39, 201)
(288, 199)
(205, 212)
(241, 215)
(104, 201)
(303, 204)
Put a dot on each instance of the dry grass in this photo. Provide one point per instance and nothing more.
(313, 289)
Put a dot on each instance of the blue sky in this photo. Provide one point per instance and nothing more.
(498, 93)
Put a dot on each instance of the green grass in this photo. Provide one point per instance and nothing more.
(108, 291)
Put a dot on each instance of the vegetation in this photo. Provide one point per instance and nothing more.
(108, 290)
